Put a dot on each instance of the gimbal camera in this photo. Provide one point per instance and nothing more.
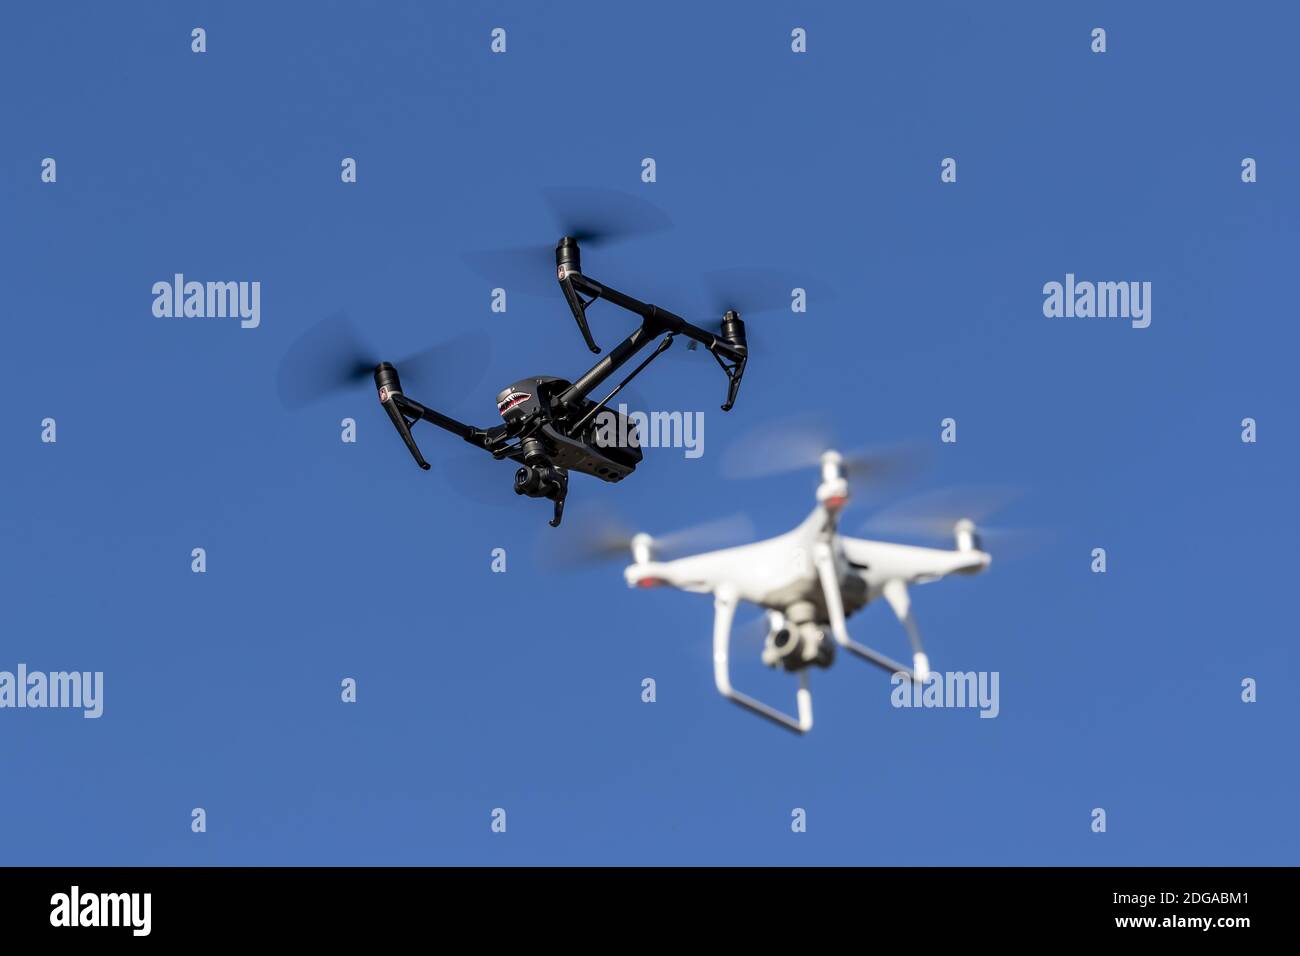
(549, 424)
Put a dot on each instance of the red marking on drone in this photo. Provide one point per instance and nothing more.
(510, 401)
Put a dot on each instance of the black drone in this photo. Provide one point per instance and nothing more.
(549, 425)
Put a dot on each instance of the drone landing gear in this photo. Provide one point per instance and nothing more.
(825, 562)
(724, 613)
(896, 595)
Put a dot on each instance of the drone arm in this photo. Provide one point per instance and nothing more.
(664, 320)
(825, 563)
(617, 357)
(483, 438)
(724, 605)
(730, 349)
(400, 409)
(401, 404)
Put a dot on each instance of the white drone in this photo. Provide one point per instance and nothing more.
(809, 580)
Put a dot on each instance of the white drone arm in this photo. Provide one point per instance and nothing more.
(724, 605)
(825, 562)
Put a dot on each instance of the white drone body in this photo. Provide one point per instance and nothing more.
(809, 580)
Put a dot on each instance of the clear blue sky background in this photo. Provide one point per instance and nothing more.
(522, 690)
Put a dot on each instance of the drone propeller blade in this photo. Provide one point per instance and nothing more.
(753, 291)
(332, 355)
(526, 269)
(935, 515)
(776, 448)
(796, 444)
(884, 465)
(591, 535)
(592, 216)
(706, 536)
(602, 536)
(450, 368)
(328, 357)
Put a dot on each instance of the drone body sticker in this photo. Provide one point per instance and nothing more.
(511, 400)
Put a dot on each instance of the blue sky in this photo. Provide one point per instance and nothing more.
(522, 690)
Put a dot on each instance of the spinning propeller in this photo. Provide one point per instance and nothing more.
(755, 291)
(594, 217)
(797, 444)
(604, 537)
(948, 512)
(333, 356)
(749, 292)
(600, 217)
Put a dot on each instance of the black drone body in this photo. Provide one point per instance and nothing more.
(549, 424)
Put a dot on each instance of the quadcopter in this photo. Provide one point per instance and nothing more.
(550, 425)
(808, 581)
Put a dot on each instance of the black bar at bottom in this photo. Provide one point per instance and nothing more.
(920, 906)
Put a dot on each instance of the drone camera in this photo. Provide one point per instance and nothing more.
(544, 481)
(539, 481)
(797, 646)
(539, 478)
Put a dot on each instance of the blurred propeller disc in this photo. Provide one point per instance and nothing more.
(595, 217)
(711, 535)
(329, 356)
(602, 536)
(934, 514)
(590, 535)
(752, 291)
(776, 448)
(332, 356)
(796, 444)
